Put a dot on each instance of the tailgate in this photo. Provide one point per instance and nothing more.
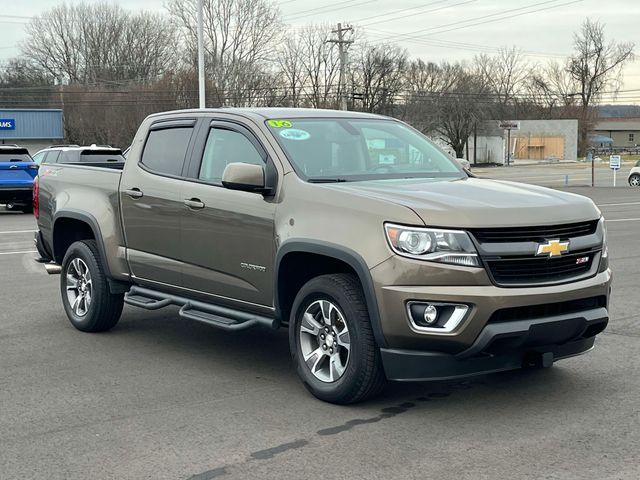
(17, 174)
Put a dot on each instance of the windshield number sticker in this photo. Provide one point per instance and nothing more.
(279, 123)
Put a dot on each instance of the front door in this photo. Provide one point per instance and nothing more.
(151, 203)
(227, 235)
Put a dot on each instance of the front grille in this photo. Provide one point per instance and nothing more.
(534, 234)
(547, 309)
(515, 271)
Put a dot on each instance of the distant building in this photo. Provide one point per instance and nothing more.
(622, 132)
(551, 140)
(33, 129)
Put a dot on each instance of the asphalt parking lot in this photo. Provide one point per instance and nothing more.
(162, 398)
(559, 175)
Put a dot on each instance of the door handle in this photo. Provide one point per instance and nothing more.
(13, 167)
(194, 203)
(134, 193)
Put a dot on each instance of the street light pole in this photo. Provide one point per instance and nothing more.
(201, 92)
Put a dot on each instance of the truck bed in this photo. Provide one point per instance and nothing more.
(89, 190)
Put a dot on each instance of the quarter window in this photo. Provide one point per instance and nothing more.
(166, 149)
(52, 156)
(224, 147)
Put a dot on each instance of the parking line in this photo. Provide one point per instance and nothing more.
(623, 220)
(18, 231)
(618, 204)
(18, 253)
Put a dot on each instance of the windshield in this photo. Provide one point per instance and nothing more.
(329, 149)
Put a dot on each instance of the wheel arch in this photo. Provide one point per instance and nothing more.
(328, 258)
(70, 226)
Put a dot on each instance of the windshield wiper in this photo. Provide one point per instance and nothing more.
(327, 180)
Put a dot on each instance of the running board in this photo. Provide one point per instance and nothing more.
(215, 315)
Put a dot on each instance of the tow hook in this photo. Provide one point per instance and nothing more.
(53, 268)
(538, 360)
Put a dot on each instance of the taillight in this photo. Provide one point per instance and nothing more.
(36, 191)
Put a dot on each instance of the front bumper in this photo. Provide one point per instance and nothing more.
(502, 346)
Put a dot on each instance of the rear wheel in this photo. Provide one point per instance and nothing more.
(87, 300)
(634, 180)
(332, 342)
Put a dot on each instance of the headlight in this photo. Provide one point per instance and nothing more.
(605, 249)
(435, 245)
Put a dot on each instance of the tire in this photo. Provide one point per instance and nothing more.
(101, 309)
(634, 180)
(26, 209)
(362, 375)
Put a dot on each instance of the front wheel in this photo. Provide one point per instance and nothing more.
(634, 180)
(332, 342)
(87, 300)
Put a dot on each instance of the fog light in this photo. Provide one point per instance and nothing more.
(430, 314)
(430, 317)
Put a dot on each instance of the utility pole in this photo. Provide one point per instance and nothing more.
(343, 61)
(201, 92)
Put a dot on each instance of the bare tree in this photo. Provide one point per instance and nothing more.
(291, 64)
(321, 66)
(458, 106)
(378, 73)
(99, 42)
(505, 74)
(595, 67)
(240, 39)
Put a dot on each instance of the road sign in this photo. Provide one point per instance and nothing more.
(7, 123)
(509, 125)
(614, 162)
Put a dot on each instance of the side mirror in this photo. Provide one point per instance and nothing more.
(244, 176)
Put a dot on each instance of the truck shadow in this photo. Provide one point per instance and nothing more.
(264, 354)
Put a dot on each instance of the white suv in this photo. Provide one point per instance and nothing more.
(634, 175)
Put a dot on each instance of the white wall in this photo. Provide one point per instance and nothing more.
(490, 150)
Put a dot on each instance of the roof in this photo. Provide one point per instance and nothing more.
(619, 124)
(264, 113)
(30, 124)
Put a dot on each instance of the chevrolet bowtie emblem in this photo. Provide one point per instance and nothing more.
(553, 248)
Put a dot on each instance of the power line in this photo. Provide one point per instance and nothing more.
(398, 11)
(306, 13)
(467, 46)
(414, 33)
(419, 13)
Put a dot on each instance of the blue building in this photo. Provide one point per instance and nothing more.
(31, 128)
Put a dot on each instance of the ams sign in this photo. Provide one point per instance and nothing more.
(7, 124)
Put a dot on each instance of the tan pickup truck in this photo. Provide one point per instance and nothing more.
(383, 257)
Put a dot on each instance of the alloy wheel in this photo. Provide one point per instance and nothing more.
(324, 341)
(79, 287)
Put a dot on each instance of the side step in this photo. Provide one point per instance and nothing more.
(215, 315)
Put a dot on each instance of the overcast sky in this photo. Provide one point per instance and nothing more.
(439, 29)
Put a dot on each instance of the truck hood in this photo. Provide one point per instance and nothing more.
(475, 202)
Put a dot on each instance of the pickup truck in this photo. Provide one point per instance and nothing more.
(384, 258)
(17, 171)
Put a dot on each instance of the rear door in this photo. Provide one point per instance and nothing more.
(17, 169)
(151, 203)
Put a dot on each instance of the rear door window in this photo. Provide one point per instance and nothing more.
(165, 150)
